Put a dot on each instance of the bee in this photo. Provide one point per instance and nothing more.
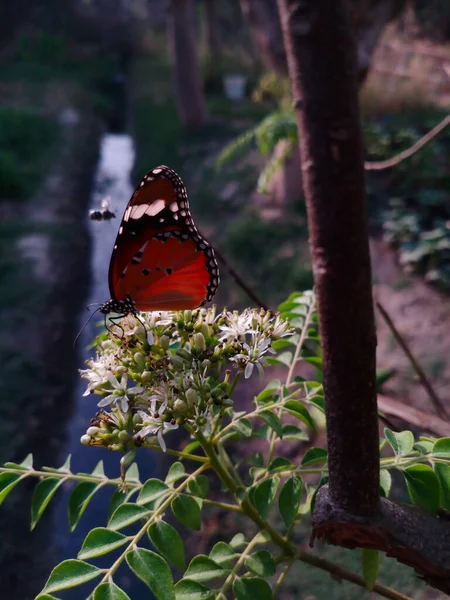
(104, 213)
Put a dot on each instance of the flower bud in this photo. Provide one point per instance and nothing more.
(85, 439)
(187, 316)
(140, 360)
(165, 342)
(147, 376)
(124, 436)
(180, 407)
(191, 397)
(140, 333)
(128, 458)
(201, 421)
(92, 431)
(120, 370)
(198, 342)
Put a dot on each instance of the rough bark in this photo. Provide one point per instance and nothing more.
(188, 83)
(322, 66)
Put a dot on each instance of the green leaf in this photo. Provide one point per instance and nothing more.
(199, 486)
(280, 464)
(401, 443)
(25, 465)
(285, 358)
(7, 482)
(385, 482)
(238, 541)
(100, 541)
(313, 360)
(285, 343)
(79, 500)
(191, 447)
(168, 542)
(424, 447)
(126, 514)
(271, 388)
(187, 510)
(264, 495)
(261, 563)
(318, 401)
(176, 472)
(203, 568)
(42, 495)
(119, 497)
(109, 591)
(442, 471)
(423, 486)
(132, 474)
(70, 573)
(297, 409)
(249, 588)
(273, 421)
(370, 564)
(46, 597)
(223, 555)
(289, 499)
(441, 448)
(186, 589)
(244, 427)
(153, 570)
(314, 456)
(383, 375)
(152, 493)
(292, 432)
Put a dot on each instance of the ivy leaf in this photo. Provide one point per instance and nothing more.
(261, 563)
(70, 573)
(109, 591)
(100, 541)
(289, 499)
(442, 471)
(249, 588)
(441, 448)
(153, 570)
(296, 408)
(273, 421)
(199, 486)
(401, 443)
(168, 542)
(264, 495)
(127, 514)
(8, 481)
(187, 510)
(385, 482)
(187, 589)
(152, 493)
(176, 472)
(370, 565)
(314, 456)
(203, 568)
(423, 486)
(223, 555)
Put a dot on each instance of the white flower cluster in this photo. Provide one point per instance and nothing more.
(169, 369)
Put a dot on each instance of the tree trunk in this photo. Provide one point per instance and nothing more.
(212, 33)
(188, 83)
(323, 70)
(266, 33)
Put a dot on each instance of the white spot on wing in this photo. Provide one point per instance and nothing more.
(174, 207)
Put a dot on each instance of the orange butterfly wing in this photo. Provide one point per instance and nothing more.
(160, 261)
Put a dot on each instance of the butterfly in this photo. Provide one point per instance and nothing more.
(160, 261)
(104, 213)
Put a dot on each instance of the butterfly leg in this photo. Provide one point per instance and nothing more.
(113, 321)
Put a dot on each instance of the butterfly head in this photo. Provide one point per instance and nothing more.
(121, 307)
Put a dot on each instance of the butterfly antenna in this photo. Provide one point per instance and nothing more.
(93, 304)
(84, 326)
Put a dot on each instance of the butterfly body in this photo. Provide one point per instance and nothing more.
(159, 260)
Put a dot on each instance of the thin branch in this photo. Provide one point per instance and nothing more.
(409, 414)
(398, 158)
(238, 279)
(437, 403)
